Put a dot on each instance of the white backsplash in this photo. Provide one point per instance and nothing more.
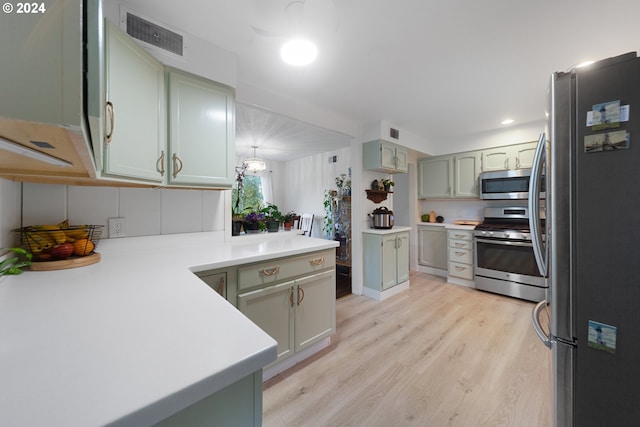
(455, 209)
(9, 211)
(146, 211)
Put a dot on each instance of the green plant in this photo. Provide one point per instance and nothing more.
(387, 182)
(327, 224)
(13, 265)
(271, 213)
(288, 217)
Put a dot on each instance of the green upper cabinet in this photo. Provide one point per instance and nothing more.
(466, 168)
(135, 113)
(517, 156)
(201, 131)
(435, 177)
(383, 156)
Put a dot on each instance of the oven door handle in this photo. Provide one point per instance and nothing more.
(505, 242)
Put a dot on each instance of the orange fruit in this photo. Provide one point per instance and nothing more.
(83, 247)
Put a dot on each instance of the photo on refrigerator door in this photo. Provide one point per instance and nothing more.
(608, 141)
(606, 115)
(602, 337)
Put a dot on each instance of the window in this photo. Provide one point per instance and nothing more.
(252, 193)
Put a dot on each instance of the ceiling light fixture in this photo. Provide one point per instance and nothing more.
(255, 164)
(507, 121)
(299, 52)
(22, 150)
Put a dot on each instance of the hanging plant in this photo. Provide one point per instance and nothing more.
(327, 224)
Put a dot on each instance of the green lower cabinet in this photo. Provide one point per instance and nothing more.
(238, 404)
(296, 313)
(386, 260)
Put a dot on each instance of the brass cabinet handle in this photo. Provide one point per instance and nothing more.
(110, 114)
(517, 162)
(460, 268)
(177, 165)
(459, 245)
(506, 163)
(160, 164)
(291, 296)
(317, 261)
(459, 236)
(271, 271)
(300, 297)
(460, 253)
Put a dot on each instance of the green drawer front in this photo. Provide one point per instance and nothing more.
(284, 268)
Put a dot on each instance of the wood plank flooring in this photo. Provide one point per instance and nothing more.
(435, 355)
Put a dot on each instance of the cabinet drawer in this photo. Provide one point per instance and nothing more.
(460, 244)
(463, 271)
(280, 269)
(460, 234)
(464, 256)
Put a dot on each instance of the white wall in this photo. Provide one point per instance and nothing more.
(306, 180)
(147, 211)
(10, 202)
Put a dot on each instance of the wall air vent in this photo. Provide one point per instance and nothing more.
(394, 133)
(154, 34)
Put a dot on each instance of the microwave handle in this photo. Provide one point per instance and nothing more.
(539, 249)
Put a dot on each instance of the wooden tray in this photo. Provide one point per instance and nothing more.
(466, 222)
(64, 264)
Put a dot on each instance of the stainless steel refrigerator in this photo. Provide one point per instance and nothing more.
(589, 244)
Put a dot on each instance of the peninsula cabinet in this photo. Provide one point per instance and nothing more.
(293, 304)
(201, 131)
(383, 156)
(517, 156)
(386, 260)
(135, 137)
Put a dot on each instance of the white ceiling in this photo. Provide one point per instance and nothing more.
(438, 69)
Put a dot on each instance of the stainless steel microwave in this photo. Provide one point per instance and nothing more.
(505, 185)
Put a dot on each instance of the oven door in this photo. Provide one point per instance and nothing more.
(510, 260)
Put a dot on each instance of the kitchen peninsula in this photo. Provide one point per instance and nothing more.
(137, 338)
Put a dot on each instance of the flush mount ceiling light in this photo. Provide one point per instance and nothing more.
(255, 164)
(507, 121)
(298, 52)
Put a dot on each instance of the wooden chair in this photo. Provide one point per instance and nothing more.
(306, 224)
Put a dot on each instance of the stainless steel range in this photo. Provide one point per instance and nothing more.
(504, 261)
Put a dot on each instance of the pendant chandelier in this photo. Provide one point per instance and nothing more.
(255, 164)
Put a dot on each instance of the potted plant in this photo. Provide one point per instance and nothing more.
(254, 221)
(287, 219)
(237, 218)
(273, 216)
(387, 184)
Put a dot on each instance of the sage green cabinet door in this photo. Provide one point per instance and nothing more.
(271, 309)
(387, 155)
(389, 261)
(202, 129)
(135, 127)
(466, 171)
(315, 310)
(383, 156)
(495, 159)
(510, 157)
(435, 176)
(432, 246)
(402, 256)
(402, 159)
(524, 154)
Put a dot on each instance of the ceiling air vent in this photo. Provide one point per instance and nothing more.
(394, 133)
(154, 34)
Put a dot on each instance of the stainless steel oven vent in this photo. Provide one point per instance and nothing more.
(154, 34)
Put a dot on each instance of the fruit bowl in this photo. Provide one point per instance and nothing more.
(61, 241)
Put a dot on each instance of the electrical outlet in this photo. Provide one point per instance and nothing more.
(116, 227)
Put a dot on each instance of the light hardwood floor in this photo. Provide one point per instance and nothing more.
(435, 355)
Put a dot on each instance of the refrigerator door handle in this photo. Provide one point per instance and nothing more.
(537, 326)
(534, 205)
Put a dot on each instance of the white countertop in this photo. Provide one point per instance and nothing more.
(395, 229)
(134, 338)
(448, 225)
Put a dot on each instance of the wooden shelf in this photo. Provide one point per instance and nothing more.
(377, 196)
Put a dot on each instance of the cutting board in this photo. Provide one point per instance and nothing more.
(64, 264)
(467, 222)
